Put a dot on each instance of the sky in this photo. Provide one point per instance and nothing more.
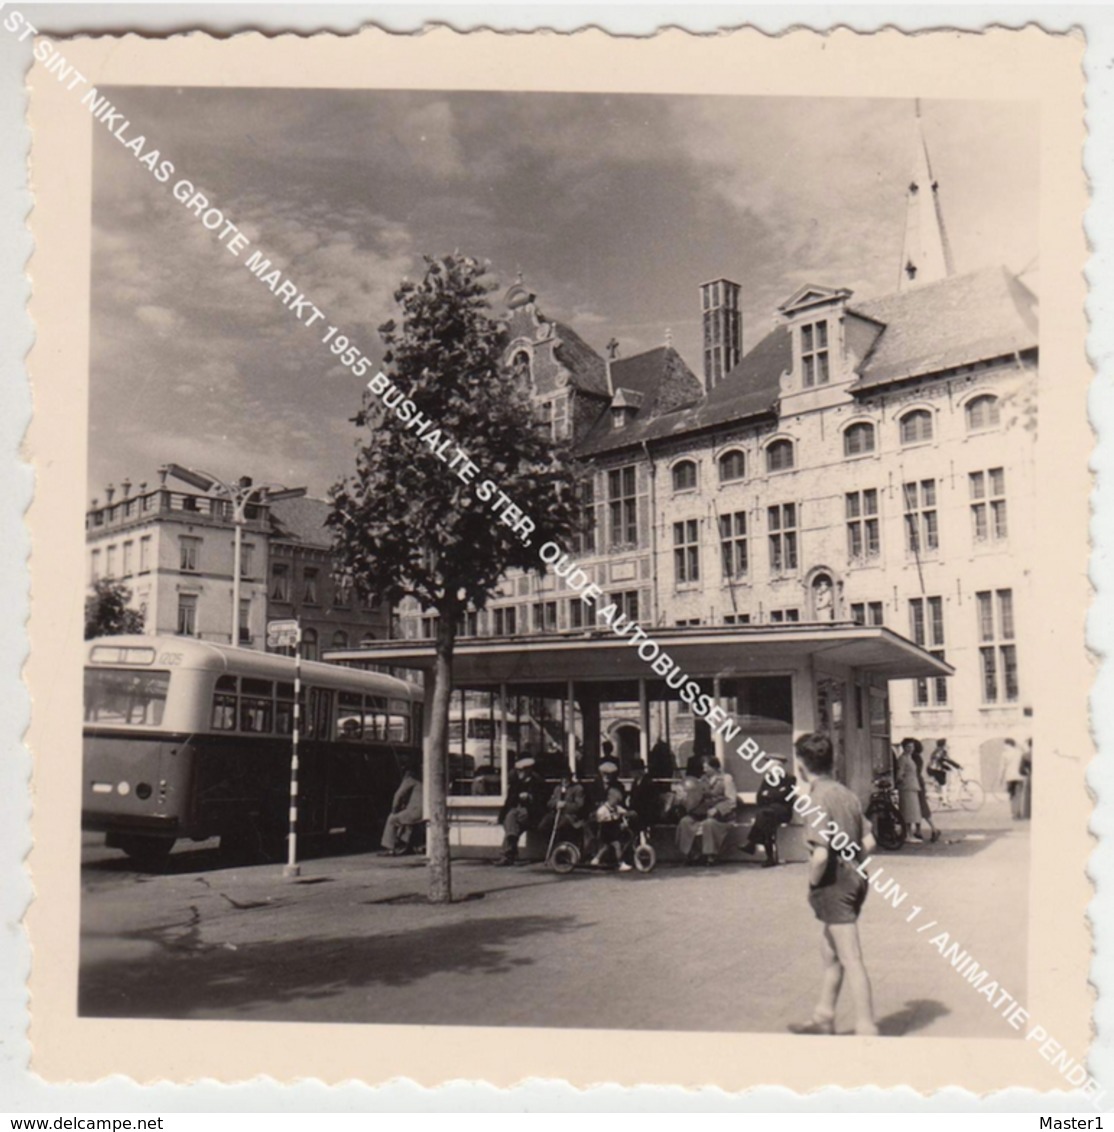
(613, 207)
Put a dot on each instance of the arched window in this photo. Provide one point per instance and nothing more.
(309, 644)
(983, 412)
(684, 476)
(732, 466)
(340, 639)
(779, 456)
(916, 427)
(858, 439)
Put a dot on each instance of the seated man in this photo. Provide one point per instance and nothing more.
(774, 809)
(645, 798)
(567, 805)
(523, 809)
(722, 800)
(405, 815)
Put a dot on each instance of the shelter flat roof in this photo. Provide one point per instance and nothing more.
(600, 656)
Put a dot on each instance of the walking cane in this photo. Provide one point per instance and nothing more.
(556, 818)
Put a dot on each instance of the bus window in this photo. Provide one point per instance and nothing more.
(318, 721)
(224, 704)
(350, 724)
(116, 697)
(377, 715)
(399, 731)
(256, 705)
(284, 708)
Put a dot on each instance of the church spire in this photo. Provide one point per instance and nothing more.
(925, 254)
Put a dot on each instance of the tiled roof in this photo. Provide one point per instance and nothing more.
(587, 370)
(301, 520)
(957, 321)
(664, 382)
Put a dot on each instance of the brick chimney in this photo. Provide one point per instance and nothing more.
(723, 329)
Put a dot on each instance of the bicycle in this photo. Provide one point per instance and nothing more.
(958, 793)
(889, 826)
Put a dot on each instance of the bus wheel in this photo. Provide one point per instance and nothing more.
(148, 852)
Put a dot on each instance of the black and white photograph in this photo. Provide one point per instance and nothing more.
(568, 561)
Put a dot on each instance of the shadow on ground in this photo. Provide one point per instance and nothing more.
(913, 1016)
(186, 977)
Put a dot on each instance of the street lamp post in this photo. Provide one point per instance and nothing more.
(239, 496)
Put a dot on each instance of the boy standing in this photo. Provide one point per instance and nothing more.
(836, 890)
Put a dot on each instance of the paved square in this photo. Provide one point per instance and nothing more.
(731, 948)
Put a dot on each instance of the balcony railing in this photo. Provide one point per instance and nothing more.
(164, 501)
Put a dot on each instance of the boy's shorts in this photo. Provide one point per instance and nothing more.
(841, 901)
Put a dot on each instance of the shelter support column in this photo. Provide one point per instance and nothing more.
(504, 742)
(590, 723)
(718, 734)
(643, 722)
(570, 725)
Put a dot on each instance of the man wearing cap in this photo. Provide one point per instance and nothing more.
(524, 808)
(606, 778)
(774, 809)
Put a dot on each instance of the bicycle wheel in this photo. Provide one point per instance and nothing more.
(889, 829)
(564, 858)
(972, 796)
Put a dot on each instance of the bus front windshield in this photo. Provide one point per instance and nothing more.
(122, 697)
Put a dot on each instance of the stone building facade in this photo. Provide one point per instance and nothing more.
(867, 460)
(174, 551)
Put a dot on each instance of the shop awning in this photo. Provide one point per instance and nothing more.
(599, 655)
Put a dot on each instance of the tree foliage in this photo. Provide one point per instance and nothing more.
(107, 613)
(405, 524)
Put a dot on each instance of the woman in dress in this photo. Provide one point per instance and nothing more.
(909, 788)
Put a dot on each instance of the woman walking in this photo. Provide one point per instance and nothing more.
(926, 811)
(909, 788)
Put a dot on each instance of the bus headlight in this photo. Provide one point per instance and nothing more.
(143, 791)
(123, 788)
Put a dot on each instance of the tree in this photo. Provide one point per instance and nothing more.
(406, 524)
(107, 613)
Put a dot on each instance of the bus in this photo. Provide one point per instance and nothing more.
(189, 739)
(475, 741)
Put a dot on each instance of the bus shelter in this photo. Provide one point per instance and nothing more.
(571, 699)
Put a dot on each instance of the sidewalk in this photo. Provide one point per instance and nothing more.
(728, 948)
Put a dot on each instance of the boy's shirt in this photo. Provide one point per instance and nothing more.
(840, 806)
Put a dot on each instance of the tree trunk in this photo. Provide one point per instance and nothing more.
(437, 765)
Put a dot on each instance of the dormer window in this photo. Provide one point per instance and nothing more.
(624, 406)
(814, 353)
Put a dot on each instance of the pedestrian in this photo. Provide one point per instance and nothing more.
(836, 889)
(523, 809)
(909, 787)
(1012, 777)
(774, 810)
(926, 810)
(406, 814)
(722, 801)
